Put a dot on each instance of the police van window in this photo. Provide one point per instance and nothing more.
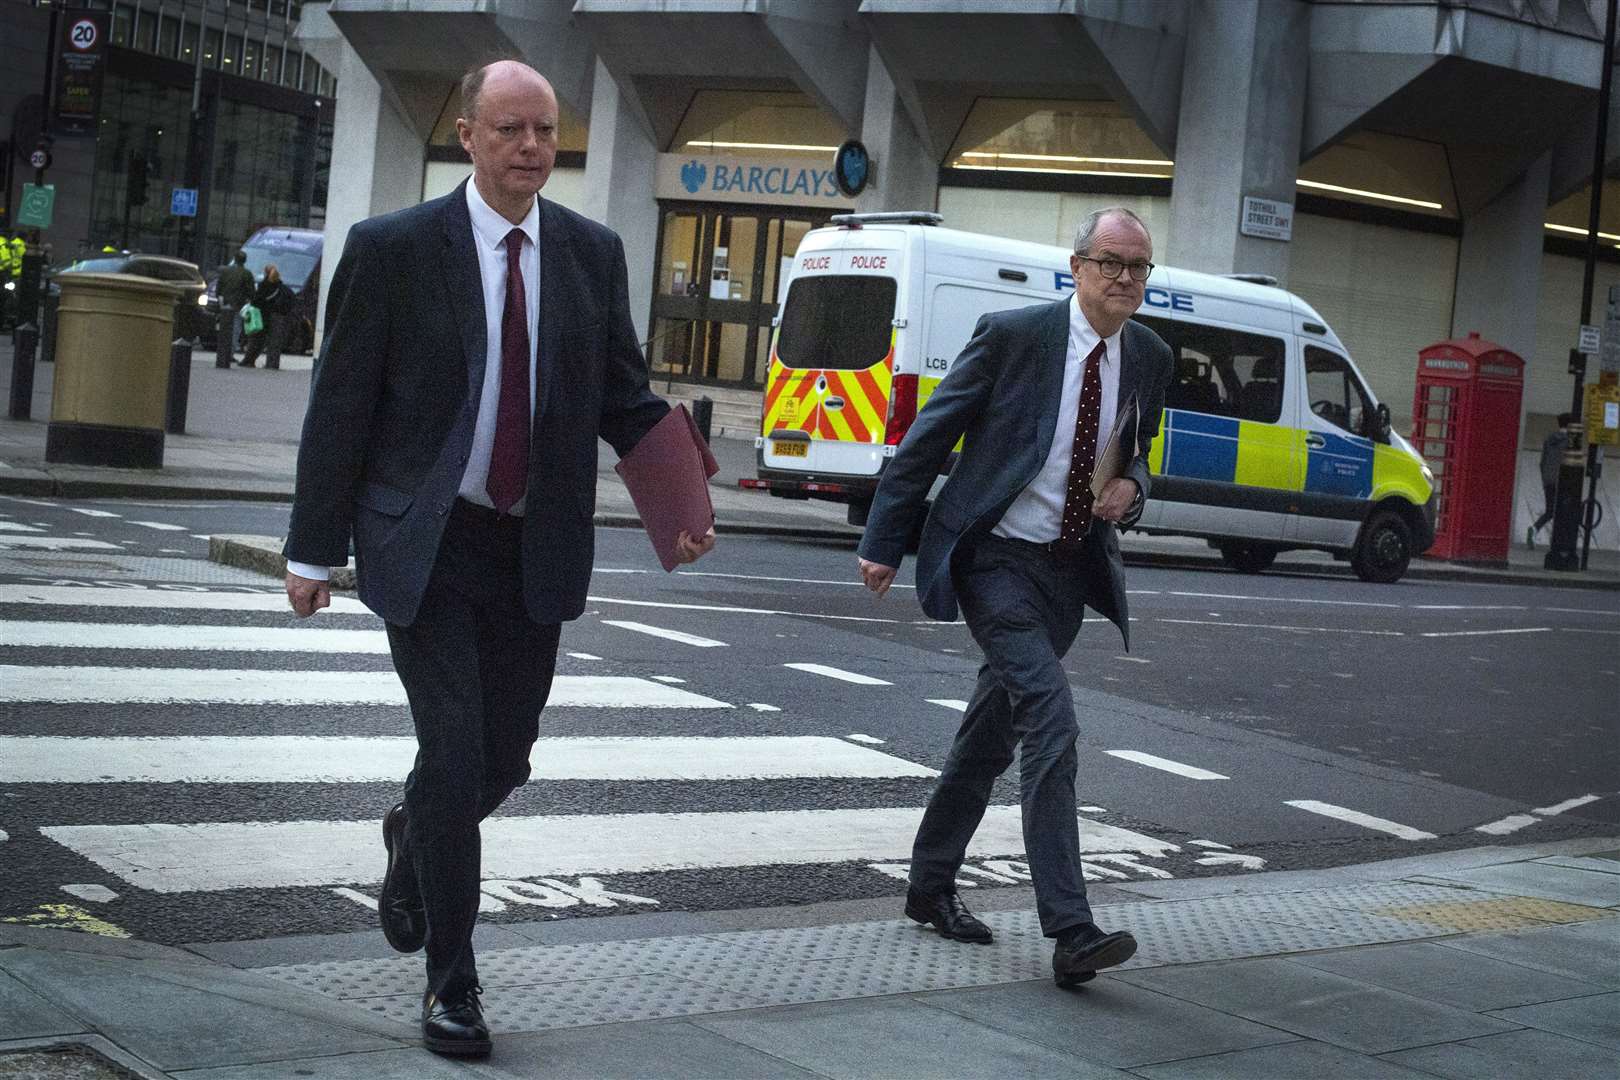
(841, 321)
(1335, 393)
(1223, 372)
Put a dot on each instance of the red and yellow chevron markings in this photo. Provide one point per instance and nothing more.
(795, 400)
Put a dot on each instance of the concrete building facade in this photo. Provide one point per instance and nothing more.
(1428, 161)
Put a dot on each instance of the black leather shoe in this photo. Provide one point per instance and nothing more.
(1081, 952)
(454, 1025)
(948, 915)
(399, 907)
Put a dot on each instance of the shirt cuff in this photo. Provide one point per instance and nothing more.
(309, 570)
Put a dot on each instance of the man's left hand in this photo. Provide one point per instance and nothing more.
(688, 550)
(1116, 499)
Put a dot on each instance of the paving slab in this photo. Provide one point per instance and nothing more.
(76, 1057)
(1540, 1054)
(28, 1016)
(1317, 1004)
(897, 1038)
(1464, 980)
(1551, 882)
(1601, 865)
(1594, 1019)
(654, 1051)
(1290, 1061)
(1107, 1021)
(1586, 951)
(415, 1064)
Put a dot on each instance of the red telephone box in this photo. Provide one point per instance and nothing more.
(1465, 423)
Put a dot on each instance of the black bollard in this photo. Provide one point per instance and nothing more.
(703, 415)
(179, 385)
(25, 339)
(47, 330)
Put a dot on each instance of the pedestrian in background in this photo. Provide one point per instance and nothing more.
(473, 549)
(234, 288)
(1018, 537)
(1552, 460)
(275, 303)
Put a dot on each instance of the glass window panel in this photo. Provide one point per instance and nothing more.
(270, 63)
(837, 321)
(674, 344)
(123, 22)
(1086, 138)
(1223, 372)
(189, 33)
(731, 264)
(146, 31)
(683, 239)
(250, 59)
(289, 74)
(1391, 171)
(232, 60)
(211, 48)
(311, 77)
(169, 37)
(1336, 394)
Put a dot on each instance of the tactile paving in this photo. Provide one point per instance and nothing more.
(541, 987)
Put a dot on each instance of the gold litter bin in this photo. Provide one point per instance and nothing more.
(110, 393)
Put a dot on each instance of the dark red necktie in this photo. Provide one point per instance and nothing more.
(509, 457)
(1077, 505)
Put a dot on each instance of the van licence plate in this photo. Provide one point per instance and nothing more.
(791, 449)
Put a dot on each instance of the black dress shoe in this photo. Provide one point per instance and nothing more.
(948, 915)
(399, 907)
(1081, 952)
(454, 1024)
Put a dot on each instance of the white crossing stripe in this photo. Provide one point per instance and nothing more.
(1274, 626)
(1356, 817)
(210, 857)
(119, 686)
(1567, 804)
(17, 526)
(90, 513)
(163, 599)
(291, 759)
(1488, 633)
(839, 674)
(1192, 772)
(161, 526)
(56, 543)
(1510, 824)
(950, 703)
(69, 635)
(669, 635)
(584, 656)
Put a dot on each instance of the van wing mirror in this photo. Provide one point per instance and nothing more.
(1382, 426)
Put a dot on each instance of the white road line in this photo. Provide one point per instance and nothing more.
(128, 686)
(68, 635)
(856, 736)
(667, 635)
(1191, 772)
(161, 526)
(1284, 599)
(584, 656)
(670, 679)
(89, 513)
(210, 857)
(1567, 804)
(17, 526)
(1510, 824)
(295, 759)
(56, 543)
(1588, 630)
(1469, 607)
(1487, 633)
(840, 674)
(1133, 660)
(1579, 611)
(950, 703)
(1356, 817)
(759, 706)
(201, 536)
(790, 580)
(1294, 629)
(726, 609)
(163, 599)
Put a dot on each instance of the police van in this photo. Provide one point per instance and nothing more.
(1270, 438)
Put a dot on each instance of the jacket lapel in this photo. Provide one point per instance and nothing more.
(1053, 355)
(1130, 367)
(465, 286)
(556, 281)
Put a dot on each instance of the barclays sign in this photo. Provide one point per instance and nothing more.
(790, 181)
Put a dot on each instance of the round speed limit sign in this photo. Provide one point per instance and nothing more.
(39, 159)
(82, 34)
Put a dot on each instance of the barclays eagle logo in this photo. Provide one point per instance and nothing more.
(693, 173)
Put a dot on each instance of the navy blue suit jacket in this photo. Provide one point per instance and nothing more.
(1001, 399)
(395, 394)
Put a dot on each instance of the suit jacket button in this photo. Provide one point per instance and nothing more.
(444, 508)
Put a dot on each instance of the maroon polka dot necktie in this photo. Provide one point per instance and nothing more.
(509, 456)
(1077, 505)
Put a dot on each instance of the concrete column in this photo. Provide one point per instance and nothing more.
(905, 175)
(377, 162)
(620, 161)
(1499, 265)
(1242, 113)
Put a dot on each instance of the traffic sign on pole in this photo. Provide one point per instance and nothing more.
(183, 203)
(37, 202)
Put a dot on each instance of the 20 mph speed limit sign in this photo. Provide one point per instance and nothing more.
(82, 35)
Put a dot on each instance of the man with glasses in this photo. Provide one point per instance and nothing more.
(1018, 538)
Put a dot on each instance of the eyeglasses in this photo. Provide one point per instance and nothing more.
(1110, 268)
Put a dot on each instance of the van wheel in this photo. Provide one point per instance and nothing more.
(1384, 550)
(1248, 558)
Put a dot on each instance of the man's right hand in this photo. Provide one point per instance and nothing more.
(878, 577)
(306, 595)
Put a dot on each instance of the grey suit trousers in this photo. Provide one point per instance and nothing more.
(1023, 605)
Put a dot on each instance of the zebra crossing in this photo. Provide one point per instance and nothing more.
(194, 827)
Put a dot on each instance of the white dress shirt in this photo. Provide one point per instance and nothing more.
(489, 238)
(1037, 513)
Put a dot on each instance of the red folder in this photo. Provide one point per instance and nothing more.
(667, 474)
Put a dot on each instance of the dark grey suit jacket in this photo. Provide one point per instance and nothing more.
(395, 396)
(1001, 398)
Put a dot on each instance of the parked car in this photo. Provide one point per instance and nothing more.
(191, 317)
(296, 254)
